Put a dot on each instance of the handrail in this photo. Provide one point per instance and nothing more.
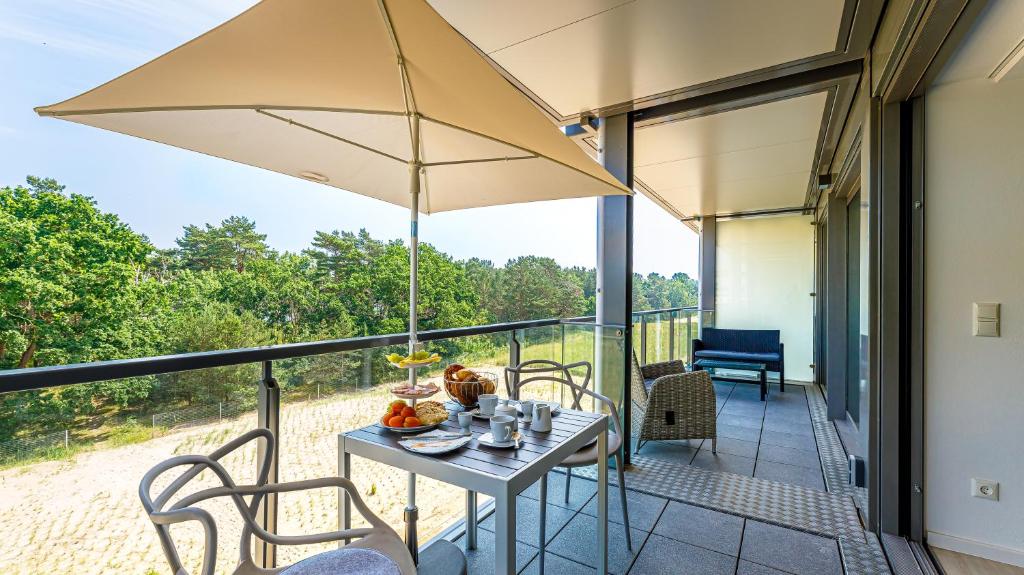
(668, 309)
(30, 378)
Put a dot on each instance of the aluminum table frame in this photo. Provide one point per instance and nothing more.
(474, 469)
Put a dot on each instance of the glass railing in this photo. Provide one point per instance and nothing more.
(72, 478)
(668, 334)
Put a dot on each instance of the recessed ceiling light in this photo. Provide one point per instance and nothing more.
(316, 177)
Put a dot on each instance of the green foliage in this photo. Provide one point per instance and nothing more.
(77, 284)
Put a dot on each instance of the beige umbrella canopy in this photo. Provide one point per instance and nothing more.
(380, 97)
(325, 89)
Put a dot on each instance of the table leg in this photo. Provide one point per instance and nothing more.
(602, 502)
(764, 384)
(344, 502)
(543, 521)
(471, 520)
(505, 533)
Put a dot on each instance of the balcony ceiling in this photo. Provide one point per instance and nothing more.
(755, 158)
(581, 55)
(577, 56)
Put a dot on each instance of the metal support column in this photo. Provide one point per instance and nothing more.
(708, 249)
(671, 335)
(268, 416)
(615, 258)
(835, 308)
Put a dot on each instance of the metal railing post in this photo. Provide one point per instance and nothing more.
(268, 416)
(672, 336)
(514, 351)
(689, 336)
(643, 340)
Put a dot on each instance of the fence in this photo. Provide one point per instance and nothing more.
(201, 414)
(20, 448)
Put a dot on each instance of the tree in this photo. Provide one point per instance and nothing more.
(231, 245)
(214, 326)
(70, 278)
(533, 287)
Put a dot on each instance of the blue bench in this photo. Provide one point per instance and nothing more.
(743, 345)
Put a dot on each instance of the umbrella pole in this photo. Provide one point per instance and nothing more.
(411, 511)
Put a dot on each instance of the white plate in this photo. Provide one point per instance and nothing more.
(406, 430)
(488, 440)
(435, 447)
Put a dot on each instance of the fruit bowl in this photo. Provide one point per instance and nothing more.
(464, 386)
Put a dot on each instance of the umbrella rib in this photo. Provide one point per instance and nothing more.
(526, 150)
(477, 161)
(330, 135)
(407, 94)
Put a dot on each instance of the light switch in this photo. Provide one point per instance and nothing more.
(986, 319)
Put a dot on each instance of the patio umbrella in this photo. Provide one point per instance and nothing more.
(379, 97)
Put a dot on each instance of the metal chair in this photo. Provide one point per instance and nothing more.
(541, 370)
(377, 549)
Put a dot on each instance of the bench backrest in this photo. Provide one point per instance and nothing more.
(751, 340)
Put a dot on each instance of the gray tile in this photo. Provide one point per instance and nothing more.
(793, 428)
(788, 417)
(733, 447)
(701, 527)
(789, 456)
(481, 559)
(663, 556)
(724, 462)
(528, 517)
(644, 510)
(577, 542)
(788, 550)
(748, 568)
(788, 440)
(791, 474)
(676, 451)
(555, 565)
(740, 420)
(743, 433)
(581, 490)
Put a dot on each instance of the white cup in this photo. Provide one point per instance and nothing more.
(502, 428)
(488, 401)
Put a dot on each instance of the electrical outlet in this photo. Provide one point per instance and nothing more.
(985, 489)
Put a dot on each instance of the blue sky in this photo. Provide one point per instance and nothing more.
(54, 49)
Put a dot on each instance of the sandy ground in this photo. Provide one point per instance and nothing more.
(83, 515)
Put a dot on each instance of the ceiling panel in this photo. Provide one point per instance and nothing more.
(749, 159)
(579, 55)
(993, 41)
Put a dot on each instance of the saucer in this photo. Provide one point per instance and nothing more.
(477, 415)
(488, 440)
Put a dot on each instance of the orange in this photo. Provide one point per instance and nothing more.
(408, 412)
(412, 422)
(396, 421)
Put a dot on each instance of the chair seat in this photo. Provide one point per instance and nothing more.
(588, 454)
(346, 561)
(762, 357)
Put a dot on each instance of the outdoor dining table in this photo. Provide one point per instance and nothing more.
(501, 473)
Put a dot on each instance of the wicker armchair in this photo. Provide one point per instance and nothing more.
(673, 403)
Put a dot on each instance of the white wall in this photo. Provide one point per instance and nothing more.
(974, 387)
(764, 277)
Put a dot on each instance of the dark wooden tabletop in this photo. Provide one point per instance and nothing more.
(499, 462)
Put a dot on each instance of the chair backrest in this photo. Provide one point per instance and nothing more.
(164, 515)
(752, 340)
(542, 370)
(636, 378)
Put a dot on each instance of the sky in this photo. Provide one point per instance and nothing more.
(51, 50)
